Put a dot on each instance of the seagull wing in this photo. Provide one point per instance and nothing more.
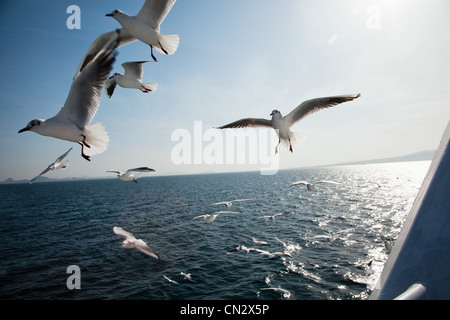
(202, 216)
(224, 212)
(153, 12)
(86, 90)
(134, 69)
(142, 169)
(100, 42)
(310, 106)
(110, 86)
(120, 232)
(40, 174)
(327, 181)
(143, 247)
(116, 171)
(248, 122)
(240, 200)
(298, 182)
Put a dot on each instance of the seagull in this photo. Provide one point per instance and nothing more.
(130, 174)
(187, 276)
(131, 79)
(272, 255)
(170, 280)
(211, 217)
(276, 215)
(72, 123)
(58, 164)
(131, 242)
(259, 242)
(282, 124)
(144, 26)
(229, 203)
(312, 186)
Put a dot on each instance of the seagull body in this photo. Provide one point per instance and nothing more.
(311, 186)
(187, 276)
(131, 174)
(145, 26)
(211, 217)
(131, 242)
(282, 124)
(131, 79)
(72, 123)
(57, 165)
(259, 242)
(229, 203)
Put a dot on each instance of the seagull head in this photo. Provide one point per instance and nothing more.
(33, 125)
(114, 75)
(276, 114)
(114, 14)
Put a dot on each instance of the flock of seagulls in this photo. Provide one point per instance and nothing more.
(73, 121)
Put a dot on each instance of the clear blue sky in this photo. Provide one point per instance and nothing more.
(236, 59)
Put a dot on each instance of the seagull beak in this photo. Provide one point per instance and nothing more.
(109, 14)
(24, 129)
(271, 114)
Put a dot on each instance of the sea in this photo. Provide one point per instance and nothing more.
(57, 239)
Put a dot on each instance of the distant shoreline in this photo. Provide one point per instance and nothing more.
(426, 155)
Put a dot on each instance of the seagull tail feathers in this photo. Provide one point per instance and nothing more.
(168, 43)
(97, 138)
(149, 87)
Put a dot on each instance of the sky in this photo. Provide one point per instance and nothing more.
(236, 59)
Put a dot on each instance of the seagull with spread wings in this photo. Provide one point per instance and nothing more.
(57, 165)
(131, 174)
(131, 242)
(145, 26)
(282, 124)
(131, 79)
(311, 186)
(72, 123)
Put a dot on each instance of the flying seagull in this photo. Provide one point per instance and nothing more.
(282, 124)
(229, 203)
(72, 122)
(187, 276)
(131, 79)
(276, 215)
(311, 186)
(170, 280)
(211, 217)
(131, 174)
(145, 26)
(58, 164)
(131, 242)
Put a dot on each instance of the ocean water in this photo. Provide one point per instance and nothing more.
(47, 227)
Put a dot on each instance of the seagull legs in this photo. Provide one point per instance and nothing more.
(153, 56)
(290, 145)
(83, 144)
